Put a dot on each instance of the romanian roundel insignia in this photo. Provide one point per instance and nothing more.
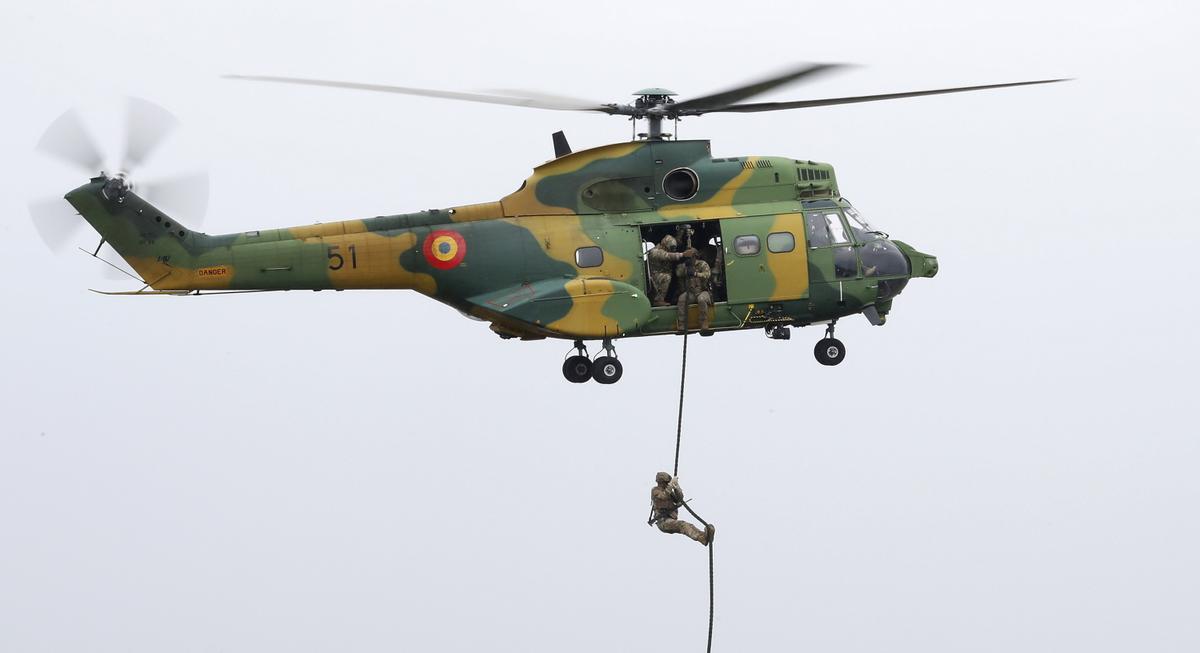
(444, 249)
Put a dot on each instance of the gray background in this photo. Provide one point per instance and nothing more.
(1010, 464)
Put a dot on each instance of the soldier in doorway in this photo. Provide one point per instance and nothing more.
(662, 259)
(665, 499)
(696, 281)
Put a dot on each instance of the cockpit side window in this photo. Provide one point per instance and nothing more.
(836, 230)
(818, 233)
(861, 228)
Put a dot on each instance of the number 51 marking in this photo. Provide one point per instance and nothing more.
(337, 261)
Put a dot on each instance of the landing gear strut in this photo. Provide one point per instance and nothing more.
(580, 368)
(829, 350)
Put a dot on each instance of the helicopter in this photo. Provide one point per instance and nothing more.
(565, 255)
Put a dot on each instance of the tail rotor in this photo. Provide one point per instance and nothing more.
(147, 128)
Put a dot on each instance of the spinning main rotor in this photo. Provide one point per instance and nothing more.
(654, 104)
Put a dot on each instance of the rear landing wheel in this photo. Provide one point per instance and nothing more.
(606, 370)
(829, 351)
(577, 369)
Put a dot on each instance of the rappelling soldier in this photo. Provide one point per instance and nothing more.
(665, 499)
(696, 281)
(662, 260)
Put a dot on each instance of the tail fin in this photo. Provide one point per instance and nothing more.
(159, 248)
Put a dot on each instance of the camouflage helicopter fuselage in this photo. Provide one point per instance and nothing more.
(563, 256)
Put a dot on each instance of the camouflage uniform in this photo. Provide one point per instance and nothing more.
(662, 259)
(695, 291)
(718, 266)
(665, 499)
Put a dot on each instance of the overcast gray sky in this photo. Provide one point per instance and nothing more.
(1009, 464)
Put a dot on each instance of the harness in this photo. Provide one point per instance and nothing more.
(659, 514)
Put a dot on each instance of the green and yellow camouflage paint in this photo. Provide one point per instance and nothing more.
(516, 262)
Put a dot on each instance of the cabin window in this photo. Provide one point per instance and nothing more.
(781, 242)
(589, 257)
(746, 245)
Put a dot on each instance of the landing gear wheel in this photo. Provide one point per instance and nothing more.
(606, 370)
(829, 351)
(577, 369)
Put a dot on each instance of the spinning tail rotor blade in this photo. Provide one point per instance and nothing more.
(147, 128)
(184, 196)
(536, 100)
(67, 140)
(147, 125)
(804, 104)
(55, 220)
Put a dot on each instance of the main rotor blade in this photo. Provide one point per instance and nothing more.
(541, 102)
(55, 220)
(147, 125)
(185, 197)
(737, 94)
(548, 98)
(804, 104)
(69, 141)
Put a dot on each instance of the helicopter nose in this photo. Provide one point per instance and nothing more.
(920, 264)
(929, 266)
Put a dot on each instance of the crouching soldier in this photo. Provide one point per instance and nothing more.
(665, 499)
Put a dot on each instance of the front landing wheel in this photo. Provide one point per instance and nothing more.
(577, 369)
(606, 370)
(829, 351)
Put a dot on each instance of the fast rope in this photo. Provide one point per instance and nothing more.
(675, 472)
(679, 423)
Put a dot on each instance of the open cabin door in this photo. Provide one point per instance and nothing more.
(704, 237)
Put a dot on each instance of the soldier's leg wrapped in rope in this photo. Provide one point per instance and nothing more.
(669, 525)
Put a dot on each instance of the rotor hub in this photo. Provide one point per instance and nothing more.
(117, 187)
(652, 102)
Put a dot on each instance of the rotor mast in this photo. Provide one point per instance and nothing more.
(653, 105)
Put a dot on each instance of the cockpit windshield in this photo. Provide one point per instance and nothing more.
(861, 228)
